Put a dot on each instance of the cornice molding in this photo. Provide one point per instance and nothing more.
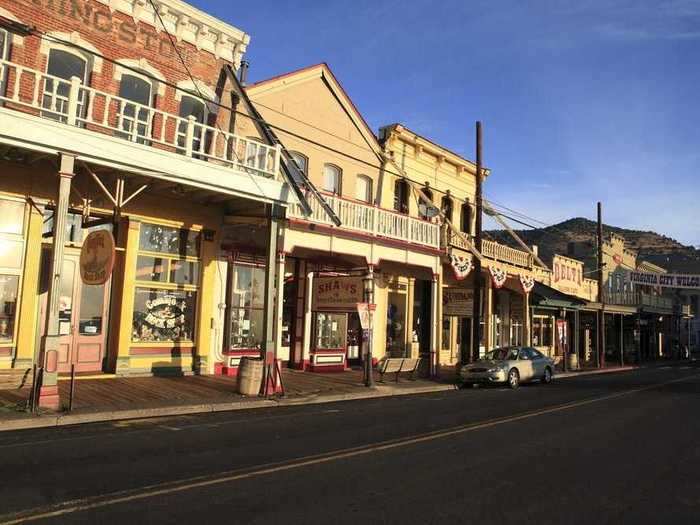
(188, 24)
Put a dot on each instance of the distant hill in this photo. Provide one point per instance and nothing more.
(651, 246)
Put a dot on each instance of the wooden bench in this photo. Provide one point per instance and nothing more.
(397, 365)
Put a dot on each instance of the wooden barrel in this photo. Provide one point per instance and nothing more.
(250, 372)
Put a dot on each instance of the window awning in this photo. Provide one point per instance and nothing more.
(547, 297)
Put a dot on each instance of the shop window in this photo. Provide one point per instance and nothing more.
(395, 323)
(331, 331)
(75, 233)
(247, 307)
(302, 161)
(446, 333)
(332, 179)
(11, 264)
(135, 109)
(167, 277)
(62, 66)
(191, 107)
(363, 188)
(466, 218)
(541, 331)
(401, 191)
(516, 332)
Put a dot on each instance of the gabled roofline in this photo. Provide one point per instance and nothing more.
(325, 73)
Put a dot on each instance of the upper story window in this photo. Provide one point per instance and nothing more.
(332, 179)
(4, 55)
(425, 204)
(466, 218)
(446, 207)
(401, 192)
(301, 160)
(363, 188)
(135, 116)
(61, 68)
(192, 107)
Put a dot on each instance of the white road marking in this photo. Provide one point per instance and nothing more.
(163, 489)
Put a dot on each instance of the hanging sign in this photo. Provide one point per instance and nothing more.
(365, 310)
(457, 302)
(97, 257)
(665, 280)
(462, 266)
(527, 282)
(337, 293)
(498, 276)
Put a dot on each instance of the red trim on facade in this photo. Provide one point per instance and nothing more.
(327, 368)
(242, 352)
(172, 351)
(48, 397)
(6, 352)
(329, 351)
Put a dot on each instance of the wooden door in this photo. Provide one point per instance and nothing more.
(82, 317)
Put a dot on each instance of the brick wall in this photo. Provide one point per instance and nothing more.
(116, 36)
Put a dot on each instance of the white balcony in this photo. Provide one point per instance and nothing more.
(376, 222)
(495, 251)
(76, 105)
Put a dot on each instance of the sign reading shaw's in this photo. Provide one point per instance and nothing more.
(337, 293)
(665, 280)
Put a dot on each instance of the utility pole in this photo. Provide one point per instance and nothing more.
(476, 315)
(601, 294)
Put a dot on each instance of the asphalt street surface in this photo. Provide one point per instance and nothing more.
(613, 448)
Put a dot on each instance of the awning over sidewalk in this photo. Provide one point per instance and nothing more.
(544, 296)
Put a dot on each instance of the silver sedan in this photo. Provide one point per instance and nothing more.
(512, 365)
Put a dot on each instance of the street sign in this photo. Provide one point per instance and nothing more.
(364, 310)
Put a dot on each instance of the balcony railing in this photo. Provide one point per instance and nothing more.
(378, 222)
(496, 251)
(638, 299)
(74, 104)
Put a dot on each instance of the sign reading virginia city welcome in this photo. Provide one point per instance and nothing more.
(665, 280)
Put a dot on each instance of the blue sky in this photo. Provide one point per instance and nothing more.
(581, 100)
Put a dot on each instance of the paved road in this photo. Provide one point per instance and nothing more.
(615, 448)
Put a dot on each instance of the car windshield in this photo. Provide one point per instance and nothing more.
(502, 354)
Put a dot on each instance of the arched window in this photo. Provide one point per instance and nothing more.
(332, 179)
(363, 188)
(422, 208)
(446, 207)
(466, 218)
(401, 196)
(63, 65)
(302, 161)
(192, 107)
(4, 55)
(135, 116)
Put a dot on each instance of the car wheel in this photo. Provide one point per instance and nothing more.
(513, 378)
(547, 377)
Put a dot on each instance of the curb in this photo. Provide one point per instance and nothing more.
(48, 421)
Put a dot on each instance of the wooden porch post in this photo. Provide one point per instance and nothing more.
(48, 395)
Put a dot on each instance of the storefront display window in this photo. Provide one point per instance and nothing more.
(9, 285)
(516, 332)
(541, 331)
(446, 334)
(247, 307)
(165, 303)
(331, 330)
(395, 329)
(11, 262)
(163, 315)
